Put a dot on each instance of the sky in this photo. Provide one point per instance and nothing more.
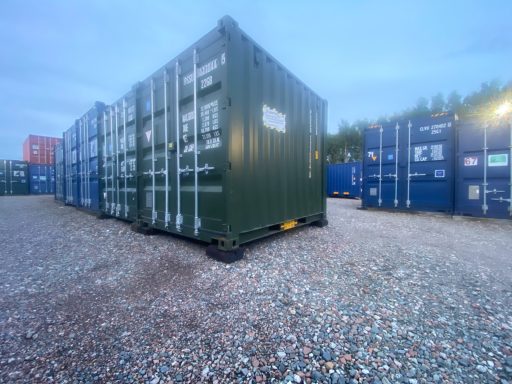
(366, 58)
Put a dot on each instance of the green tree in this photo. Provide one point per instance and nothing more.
(454, 102)
(437, 104)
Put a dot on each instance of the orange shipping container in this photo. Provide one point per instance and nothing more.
(39, 149)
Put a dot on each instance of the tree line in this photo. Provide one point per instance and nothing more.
(346, 144)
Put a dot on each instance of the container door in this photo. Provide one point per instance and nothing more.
(429, 174)
(382, 150)
(484, 170)
(181, 159)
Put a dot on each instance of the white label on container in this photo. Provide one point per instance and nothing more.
(470, 161)
(273, 119)
(500, 160)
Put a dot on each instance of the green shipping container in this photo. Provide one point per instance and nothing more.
(13, 177)
(230, 144)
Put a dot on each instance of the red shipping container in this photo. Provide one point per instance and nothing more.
(39, 149)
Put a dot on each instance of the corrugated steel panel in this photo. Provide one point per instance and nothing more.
(483, 167)
(229, 145)
(13, 177)
(88, 154)
(118, 169)
(42, 179)
(409, 165)
(39, 149)
(344, 180)
(60, 181)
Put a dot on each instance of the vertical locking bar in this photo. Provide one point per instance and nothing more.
(118, 206)
(105, 158)
(310, 138)
(12, 172)
(153, 214)
(5, 167)
(380, 165)
(397, 128)
(166, 149)
(197, 221)
(112, 202)
(125, 162)
(80, 160)
(86, 162)
(485, 206)
(408, 202)
(179, 217)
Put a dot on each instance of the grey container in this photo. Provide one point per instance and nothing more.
(230, 144)
(14, 177)
(60, 175)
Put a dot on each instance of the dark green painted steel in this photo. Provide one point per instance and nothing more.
(117, 158)
(14, 178)
(260, 141)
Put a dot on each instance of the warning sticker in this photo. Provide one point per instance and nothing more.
(470, 161)
(500, 160)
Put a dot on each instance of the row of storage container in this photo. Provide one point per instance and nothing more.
(440, 164)
(221, 144)
(21, 178)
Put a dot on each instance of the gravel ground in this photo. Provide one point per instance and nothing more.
(372, 298)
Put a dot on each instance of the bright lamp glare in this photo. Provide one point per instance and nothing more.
(504, 108)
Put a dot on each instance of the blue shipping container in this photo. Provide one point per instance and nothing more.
(344, 180)
(71, 165)
(88, 173)
(409, 165)
(60, 182)
(484, 172)
(42, 179)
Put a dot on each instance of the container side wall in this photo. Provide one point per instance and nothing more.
(276, 141)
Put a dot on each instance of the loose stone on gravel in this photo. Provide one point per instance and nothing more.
(372, 298)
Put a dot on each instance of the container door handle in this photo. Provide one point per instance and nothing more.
(125, 162)
(153, 160)
(485, 207)
(197, 220)
(397, 128)
(408, 202)
(167, 217)
(118, 205)
(380, 165)
(179, 217)
(105, 167)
